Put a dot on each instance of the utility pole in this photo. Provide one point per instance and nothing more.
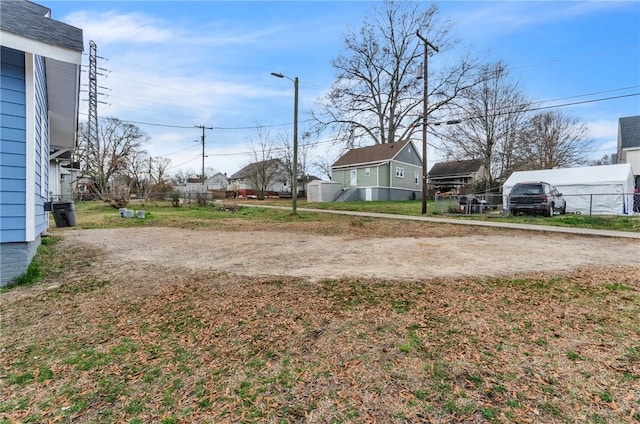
(424, 120)
(294, 183)
(294, 170)
(203, 156)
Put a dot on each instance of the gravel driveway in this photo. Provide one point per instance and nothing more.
(257, 253)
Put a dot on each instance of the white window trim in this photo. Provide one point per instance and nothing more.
(399, 172)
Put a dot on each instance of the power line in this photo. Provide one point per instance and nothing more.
(252, 127)
(584, 102)
(588, 94)
(568, 58)
(533, 109)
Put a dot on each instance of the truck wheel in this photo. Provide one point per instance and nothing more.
(549, 212)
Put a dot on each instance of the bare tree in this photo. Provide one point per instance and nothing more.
(265, 169)
(180, 177)
(554, 140)
(604, 160)
(107, 165)
(209, 171)
(494, 113)
(138, 166)
(376, 97)
(158, 169)
(156, 185)
(323, 164)
(284, 148)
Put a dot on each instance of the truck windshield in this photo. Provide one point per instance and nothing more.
(531, 189)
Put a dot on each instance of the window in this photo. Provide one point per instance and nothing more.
(400, 172)
(367, 172)
(416, 177)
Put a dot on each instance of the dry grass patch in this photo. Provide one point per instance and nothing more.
(170, 346)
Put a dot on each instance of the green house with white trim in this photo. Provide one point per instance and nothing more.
(390, 171)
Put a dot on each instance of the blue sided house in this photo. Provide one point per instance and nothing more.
(40, 61)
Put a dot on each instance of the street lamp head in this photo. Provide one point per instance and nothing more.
(277, 74)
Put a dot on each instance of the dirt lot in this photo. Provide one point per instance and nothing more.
(352, 321)
(257, 253)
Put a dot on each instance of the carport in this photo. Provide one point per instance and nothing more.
(597, 190)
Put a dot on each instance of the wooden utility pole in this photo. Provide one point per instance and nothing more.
(424, 120)
(203, 156)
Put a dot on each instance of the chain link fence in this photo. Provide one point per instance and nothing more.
(579, 204)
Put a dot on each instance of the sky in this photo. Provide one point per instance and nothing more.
(169, 66)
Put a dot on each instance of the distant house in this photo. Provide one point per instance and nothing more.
(64, 175)
(217, 182)
(459, 176)
(40, 62)
(629, 144)
(196, 185)
(192, 185)
(390, 171)
(265, 178)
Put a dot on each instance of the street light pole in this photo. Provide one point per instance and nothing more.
(294, 171)
(202, 139)
(424, 120)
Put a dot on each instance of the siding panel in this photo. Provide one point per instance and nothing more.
(12, 135)
(12, 109)
(16, 122)
(15, 185)
(11, 96)
(41, 145)
(13, 146)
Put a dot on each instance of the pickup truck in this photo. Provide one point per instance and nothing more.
(536, 197)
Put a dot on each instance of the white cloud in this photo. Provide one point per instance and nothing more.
(111, 27)
(490, 19)
(604, 129)
(604, 134)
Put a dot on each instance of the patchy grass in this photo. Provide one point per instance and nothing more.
(91, 215)
(413, 208)
(44, 263)
(98, 215)
(176, 346)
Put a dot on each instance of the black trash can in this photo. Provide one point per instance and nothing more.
(64, 213)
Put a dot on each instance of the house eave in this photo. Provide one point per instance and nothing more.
(360, 165)
(466, 174)
(63, 84)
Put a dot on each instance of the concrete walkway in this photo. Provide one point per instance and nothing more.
(513, 225)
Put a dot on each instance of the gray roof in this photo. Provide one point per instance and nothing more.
(370, 154)
(629, 128)
(450, 169)
(253, 168)
(33, 21)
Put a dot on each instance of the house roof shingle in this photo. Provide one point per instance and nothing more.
(34, 21)
(629, 131)
(370, 154)
(460, 167)
(251, 169)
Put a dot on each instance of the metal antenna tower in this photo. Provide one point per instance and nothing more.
(93, 146)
